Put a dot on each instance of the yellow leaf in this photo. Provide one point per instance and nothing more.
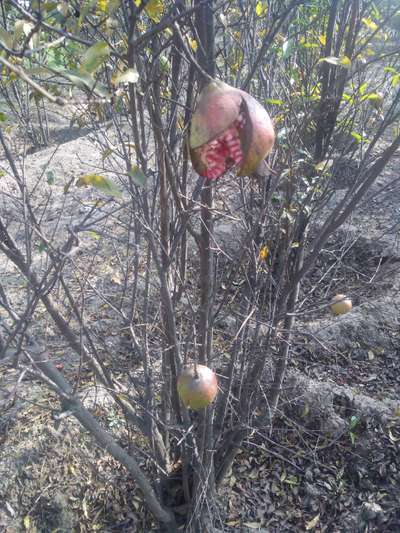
(261, 9)
(343, 61)
(395, 80)
(101, 183)
(27, 522)
(85, 509)
(264, 252)
(128, 76)
(312, 523)
(370, 24)
(252, 525)
(322, 39)
(154, 9)
(102, 6)
(375, 99)
(193, 44)
(324, 165)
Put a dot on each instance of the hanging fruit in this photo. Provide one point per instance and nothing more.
(197, 386)
(229, 128)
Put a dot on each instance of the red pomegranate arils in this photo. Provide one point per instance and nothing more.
(221, 154)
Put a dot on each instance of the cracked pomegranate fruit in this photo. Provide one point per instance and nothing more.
(229, 128)
(197, 386)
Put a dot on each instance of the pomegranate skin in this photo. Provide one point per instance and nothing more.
(341, 304)
(229, 128)
(262, 136)
(197, 391)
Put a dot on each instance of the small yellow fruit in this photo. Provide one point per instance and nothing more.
(197, 386)
(341, 304)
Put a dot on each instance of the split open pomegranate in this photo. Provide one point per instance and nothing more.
(229, 129)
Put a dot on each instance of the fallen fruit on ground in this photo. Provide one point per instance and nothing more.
(229, 128)
(197, 386)
(341, 304)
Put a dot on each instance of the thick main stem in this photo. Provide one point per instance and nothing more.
(204, 482)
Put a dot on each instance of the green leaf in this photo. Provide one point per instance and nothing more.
(348, 98)
(288, 48)
(356, 136)
(84, 80)
(310, 45)
(164, 64)
(85, 9)
(353, 422)
(363, 88)
(94, 57)
(128, 76)
(271, 101)
(138, 177)
(93, 235)
(51, 177)
(101, 183)
(395, 80)
(3, 117)
(41, 247)
(49, 6)
(375, 99)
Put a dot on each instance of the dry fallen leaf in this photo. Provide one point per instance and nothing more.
(312, 523)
